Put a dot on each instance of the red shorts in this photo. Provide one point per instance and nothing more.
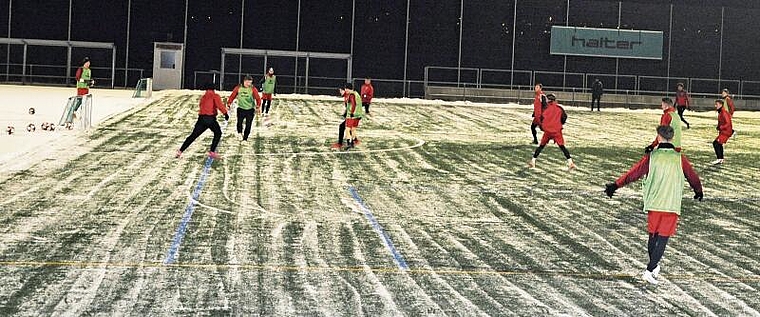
(82, 91)
(556, 136)
(352, 122)
(723, 138)
(662, 223)
(266, 96)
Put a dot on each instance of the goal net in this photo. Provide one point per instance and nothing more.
(144, 88)
(297, 72)
(78, 112)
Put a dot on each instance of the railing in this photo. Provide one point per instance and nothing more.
(56, 75)
(581, 82)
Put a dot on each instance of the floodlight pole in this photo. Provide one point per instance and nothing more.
(461, 24)
(8, 53)
(126, 57)
(720, 59)
(406, 47)
(564, 68)
(298, 36)
(242, 20)
(670, 45)
(514, 36)
(617, 60)
(68, 51)
(353, 26)
(184, 47)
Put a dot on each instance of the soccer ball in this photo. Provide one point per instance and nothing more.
(10, 130)
(44, 126)
(31, 127)
(51, 127)
(69, 126)
(32, 111)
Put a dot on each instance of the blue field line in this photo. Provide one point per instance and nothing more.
(171, 256)
(397, 257)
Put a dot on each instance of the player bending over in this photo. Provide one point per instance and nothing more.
(209, 104)
(551, 120)
(664, 169)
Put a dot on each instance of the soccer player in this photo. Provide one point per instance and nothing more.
(725, 130)
(268, 83)
(354, 113)
(668, 118)
(683, 102)
(728, 102)
(539, 103)
(367, 92)
(664, 169)
(209, 104)
(342, 126)
(245, 94)
(84, 81)
(551, 121)
(597, 90)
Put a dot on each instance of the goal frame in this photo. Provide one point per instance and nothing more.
(279, 53)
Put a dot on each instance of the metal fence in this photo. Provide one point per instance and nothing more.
(581, 82)
(57, 75)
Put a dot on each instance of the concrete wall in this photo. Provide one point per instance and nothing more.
(579, 99)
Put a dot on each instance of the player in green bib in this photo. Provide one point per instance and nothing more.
(268, 84)
(665, 169)
(248, 102)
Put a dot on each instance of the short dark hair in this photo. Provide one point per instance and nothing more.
(248, 77)
(667, 101)
(679, 85)
(539, 85)
(666, 132)
(726, 90)
(551, 97)
(85, 60)
(348, 86)
(720, 101)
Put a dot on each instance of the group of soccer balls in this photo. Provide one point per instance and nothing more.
(45, 126)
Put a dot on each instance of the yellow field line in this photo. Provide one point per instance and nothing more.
(357, 269)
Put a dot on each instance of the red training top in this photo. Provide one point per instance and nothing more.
(210, 102)
(642, 168)
(234, 94)
(665, 119)
(725, 127)
(368, 92)
(730, 102)
(682, 98)
(551, 118)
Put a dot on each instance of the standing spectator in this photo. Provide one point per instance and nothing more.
(597, 90)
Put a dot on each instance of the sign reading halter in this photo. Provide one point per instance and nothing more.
(606, 42)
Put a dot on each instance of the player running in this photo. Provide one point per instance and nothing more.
(665, 169)
(268, 83)
(683, 102)
(668, 118)
(367, 92)
(551, 121)
(209, 104)
(539, 103)
(245, 94)
(725, 130)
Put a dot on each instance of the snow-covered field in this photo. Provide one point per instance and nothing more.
(434, 214)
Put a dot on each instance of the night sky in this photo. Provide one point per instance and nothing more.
(380, 30)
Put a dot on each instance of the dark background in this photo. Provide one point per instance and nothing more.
(380, 30)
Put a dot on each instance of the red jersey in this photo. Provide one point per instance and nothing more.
(551, 118)
(368, 92)
(682, 98)
(725, 127)
(209, 104)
